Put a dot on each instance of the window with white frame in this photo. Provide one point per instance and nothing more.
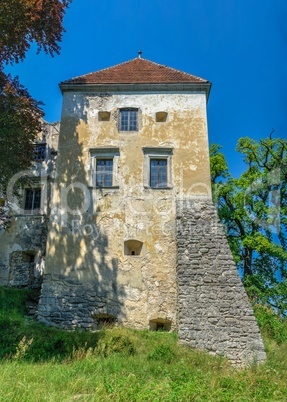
(32, 203)
(158, 173)
(157, 168)
(128, 120)
(104, 172)
(104, 167)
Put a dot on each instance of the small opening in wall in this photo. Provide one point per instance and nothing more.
(2, 202)
(160, 324)
(105, 320)
(28, 256)
(104, 116)
(133, 247)
(161, 117)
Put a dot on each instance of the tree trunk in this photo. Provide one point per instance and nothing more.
(247, 261)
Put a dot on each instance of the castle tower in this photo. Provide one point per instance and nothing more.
(126, 243)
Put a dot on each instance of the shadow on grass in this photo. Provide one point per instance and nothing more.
(17, 330)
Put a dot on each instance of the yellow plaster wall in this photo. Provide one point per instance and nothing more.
(89, 247)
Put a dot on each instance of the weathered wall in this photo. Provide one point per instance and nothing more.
(214, 313)
(27, 234)
(85, 252)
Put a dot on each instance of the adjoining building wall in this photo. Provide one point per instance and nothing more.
(23, 243)
(90, 272)
(214, 312)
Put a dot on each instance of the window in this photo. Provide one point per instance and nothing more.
(158, 173)
(161, 117)
(133, 247)
(104, 167)
(104, 116)
(160, 324)
(32, 200)
(157, 168)
(28, 257)
(128, 120)
(40, 152)
(104, 173)
(104, 320)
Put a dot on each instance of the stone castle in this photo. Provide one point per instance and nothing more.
(118, 225)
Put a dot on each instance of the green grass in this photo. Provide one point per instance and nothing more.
(47, 364)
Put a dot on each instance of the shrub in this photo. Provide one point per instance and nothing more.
(162, 353)
(115, 343)
(271, 323)
(22, 348)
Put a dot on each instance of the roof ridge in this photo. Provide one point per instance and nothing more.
(131, 60)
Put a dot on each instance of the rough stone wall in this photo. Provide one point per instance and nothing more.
(27, 233)
(214, 313)
(71, 305)
(25, 238)
(22, 271)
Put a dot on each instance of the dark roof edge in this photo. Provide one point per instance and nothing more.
(167, 87)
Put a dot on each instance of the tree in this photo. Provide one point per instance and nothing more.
(253, 209)
(23, 22)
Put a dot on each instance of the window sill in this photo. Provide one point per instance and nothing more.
(129, 131)
(104, 188)
(158, 188)
(38, 214)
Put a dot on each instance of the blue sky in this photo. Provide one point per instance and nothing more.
(238, 45)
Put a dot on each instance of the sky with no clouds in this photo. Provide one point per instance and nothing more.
(238, 45)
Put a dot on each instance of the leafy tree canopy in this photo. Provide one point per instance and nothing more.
(25, 21)
(21, 23)
(253, 209)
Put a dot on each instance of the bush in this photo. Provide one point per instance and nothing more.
(162, 353)
(115, 343)
(271, 323)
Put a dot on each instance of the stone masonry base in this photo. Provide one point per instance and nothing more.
(214, 313)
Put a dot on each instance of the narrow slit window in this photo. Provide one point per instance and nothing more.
(133, 247)
(104, 173)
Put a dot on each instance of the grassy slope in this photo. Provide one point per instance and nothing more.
(127, 365)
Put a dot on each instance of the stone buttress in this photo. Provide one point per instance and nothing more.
(214, 312)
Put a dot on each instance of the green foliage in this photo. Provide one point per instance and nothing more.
(115, 342)
(22, 348)
(48, 343)
(162, 353)
(274, 326)
(36, 21)
(23, 22)
(253, 209)
(128, 365)
(19, 123)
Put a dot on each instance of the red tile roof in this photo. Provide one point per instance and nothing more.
(136, 71)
